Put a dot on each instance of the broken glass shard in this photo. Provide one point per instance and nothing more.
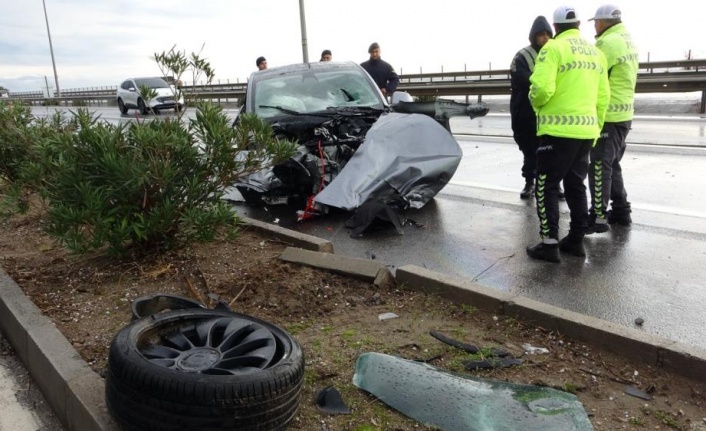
(454, 402)
(635, 392)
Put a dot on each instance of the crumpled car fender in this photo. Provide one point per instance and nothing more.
(404, 156)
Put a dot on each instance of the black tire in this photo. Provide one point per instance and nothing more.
(178, 108)
(122, 107)
(202, 369)
(141, 107)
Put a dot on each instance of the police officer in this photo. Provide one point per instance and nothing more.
(569, 93)
(605, 177)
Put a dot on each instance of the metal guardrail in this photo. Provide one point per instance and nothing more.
(690, 76)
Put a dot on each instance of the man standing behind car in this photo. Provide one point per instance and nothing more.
(570, 95)
(522, 116)
(605, 178)
(381, 71)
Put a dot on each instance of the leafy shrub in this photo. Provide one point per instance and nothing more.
(150, 185)
(16, 137)
(176, 63)
(135, 187)
(19, 132)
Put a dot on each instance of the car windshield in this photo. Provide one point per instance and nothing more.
(312, 91)
(151, 82)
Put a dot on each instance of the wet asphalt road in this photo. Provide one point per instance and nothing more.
(477, 228)
(22, 405)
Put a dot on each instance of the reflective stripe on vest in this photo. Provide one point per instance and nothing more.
(529, 54)
(567, 120)
(624, 107)
(589, 65)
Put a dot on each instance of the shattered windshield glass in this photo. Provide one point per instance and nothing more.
(312, 91)
(454, 402)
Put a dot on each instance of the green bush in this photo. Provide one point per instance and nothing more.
(19, 133)
(16, 136)
(138, 186)
(150, 185)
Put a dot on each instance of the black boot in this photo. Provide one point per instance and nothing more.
(621, 217)
(573, 246)
(596, 225)
(528, 191)
(542, 251)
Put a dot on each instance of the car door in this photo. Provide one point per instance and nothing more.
(130, 93)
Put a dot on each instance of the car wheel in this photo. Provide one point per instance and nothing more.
(122, 107)
(178, 108)
(141, 106)
(203, 369)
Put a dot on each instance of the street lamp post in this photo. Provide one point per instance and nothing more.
(51, 50)
(302, 18)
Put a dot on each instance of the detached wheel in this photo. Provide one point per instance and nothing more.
(141, 107)
(122, 107)
(202, 369)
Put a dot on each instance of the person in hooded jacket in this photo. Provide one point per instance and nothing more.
(523, 118)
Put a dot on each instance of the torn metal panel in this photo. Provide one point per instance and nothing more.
(405, 157)
(442, 110)
(458, 403)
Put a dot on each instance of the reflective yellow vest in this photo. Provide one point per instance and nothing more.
(623, 63)
(569, 87)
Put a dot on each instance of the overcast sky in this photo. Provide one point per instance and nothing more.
(102, 42)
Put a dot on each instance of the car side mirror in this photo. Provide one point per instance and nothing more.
(401, 96)
(131, 89)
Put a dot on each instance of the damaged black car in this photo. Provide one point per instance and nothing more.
(355, 148)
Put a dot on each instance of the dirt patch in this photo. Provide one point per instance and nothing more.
(335, 318)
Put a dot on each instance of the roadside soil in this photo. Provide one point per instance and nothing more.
(335, 318)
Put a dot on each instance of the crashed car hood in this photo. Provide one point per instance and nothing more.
(407, 156)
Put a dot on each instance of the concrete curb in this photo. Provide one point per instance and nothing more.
(302, 240)
(626, 342)
(362, 269)
(76, 393)
(71, 387)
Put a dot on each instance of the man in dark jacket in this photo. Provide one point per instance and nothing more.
(381, 71)
(524, 120)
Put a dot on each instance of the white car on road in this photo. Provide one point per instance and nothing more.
(129, 96)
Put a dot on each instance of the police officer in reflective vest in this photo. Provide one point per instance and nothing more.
(569, 92)
(605, 177)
